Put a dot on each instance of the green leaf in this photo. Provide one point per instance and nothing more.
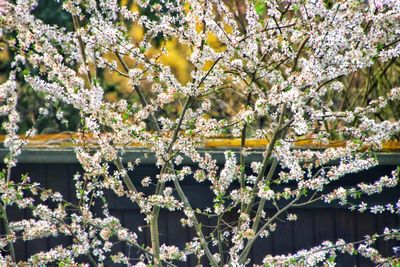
(380, 47)
(125, 116)
(260, 8)
(328, 4)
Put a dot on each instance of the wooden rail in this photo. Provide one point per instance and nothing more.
(65, 140)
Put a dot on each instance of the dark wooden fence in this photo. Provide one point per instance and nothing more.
(316, 223)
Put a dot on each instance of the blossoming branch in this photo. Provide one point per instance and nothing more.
(278, 70)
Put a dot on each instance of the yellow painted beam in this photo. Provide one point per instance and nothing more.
(63, 140)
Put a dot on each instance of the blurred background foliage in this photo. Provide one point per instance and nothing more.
(115, 85)
(360, 87)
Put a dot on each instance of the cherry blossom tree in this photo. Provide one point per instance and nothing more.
(287, 68)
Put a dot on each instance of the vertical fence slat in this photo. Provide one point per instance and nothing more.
(324, 225)
(366, 225)
(262, 246)
(57, 177)
(387, 220)
(133, 220)
(283, 237)
(346, 230)
(177, 235)
(303, 229)
(16, 214)
(38, 174)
